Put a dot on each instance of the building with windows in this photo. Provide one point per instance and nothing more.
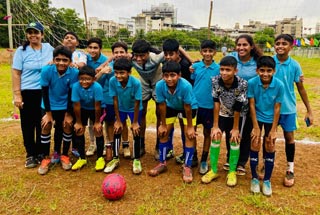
(293, 26)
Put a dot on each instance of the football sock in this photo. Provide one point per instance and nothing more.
(66, 143)
(214, 155)
(100, 146)
(254, 161)
(234, 156)
(116, 145)
(268, 165)
(189, 155)
(45, 144)
(136, 146)
(163, 148)
(204, 156)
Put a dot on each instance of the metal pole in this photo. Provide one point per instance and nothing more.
(209, 22)
(9, 24)
(85, 18)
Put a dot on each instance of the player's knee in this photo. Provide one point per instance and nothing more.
(47, 128)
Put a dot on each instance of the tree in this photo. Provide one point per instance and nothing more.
(4, 42)
(264, 36)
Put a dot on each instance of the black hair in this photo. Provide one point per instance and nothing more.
(95, 40)
(119, 44)
(266, 61)
(63, 50)
(86, 70)
(72, 33)
(255, 51)
(229, 61)
(171, 66)
(208, 44)
(170, 45)
(286, 37)
(122, 64)
(141, 46)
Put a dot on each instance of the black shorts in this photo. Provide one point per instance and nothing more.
(205, 117)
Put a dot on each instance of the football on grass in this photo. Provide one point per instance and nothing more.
(114, 186)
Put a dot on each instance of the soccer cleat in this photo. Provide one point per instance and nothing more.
(75, 152)
(44, 166)
(226, 166)
(126, 152)
(187, 174)
(232, 179)
(30, 162)
(170, 154)
(203, 168)
(112, 165)
(210, 176)
(288, 179)
(241, 171)
(79, 164)
(160, 168)
(55, 158)
(91, 150)
(255, 186)
(100, 163)
(266, 188)
(65, 162)
(136, 167)
(180, 159)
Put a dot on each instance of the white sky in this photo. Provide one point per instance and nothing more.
(196, 12)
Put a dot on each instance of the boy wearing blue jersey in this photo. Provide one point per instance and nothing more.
(87, 101)
(229, 94)
(265, 94)
(174, 96)
(127, 99)
(289, 72)
(56, 82)
(202, 74)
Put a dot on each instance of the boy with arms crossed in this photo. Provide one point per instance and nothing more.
(229, 94)
(174, 96)
(265, 94)
(56, 82)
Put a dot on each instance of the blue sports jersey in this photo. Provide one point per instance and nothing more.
(182, 95)
(202, 86)
(87, 97)
(127, 96)
(79, 56)
(59, 85)
(95, 64)
(246, 70)
(288, 72)
(30, 62)
(265, 98)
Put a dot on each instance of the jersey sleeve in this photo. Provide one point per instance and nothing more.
(159, 92)
(188, 97)
(44, 81)
(137, 90)
(18, 59)
(279, 96)
(250, 93)
(298, 73)
(98, 93)
(113, 87)
(75, 96)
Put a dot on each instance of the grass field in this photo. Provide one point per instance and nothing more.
(23, 191)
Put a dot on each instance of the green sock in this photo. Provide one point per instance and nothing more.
(234, 156)
(214, 155)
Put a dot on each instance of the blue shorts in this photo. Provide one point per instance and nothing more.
(288, 122)
(125, 115)
(110, 115)
(205, 117)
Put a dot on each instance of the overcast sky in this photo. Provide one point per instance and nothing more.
(196, 12)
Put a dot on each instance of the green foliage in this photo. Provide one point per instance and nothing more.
(3, 29)
(264, 36)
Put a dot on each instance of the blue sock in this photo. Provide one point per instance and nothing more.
(254, 160)
(268, 165)
(163, 149)
(170, 145)
(189, 151)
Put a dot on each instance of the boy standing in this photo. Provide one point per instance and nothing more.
(87, 104)
(265, 94)
(56, 82)
(202, 75)
(229, 94)
(174, 96)
(127, 99)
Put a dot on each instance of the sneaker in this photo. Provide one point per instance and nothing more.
(160, 168)
(288, 179)
(180, 159)
(156, 154)
(65, 162)
(108, 152)
(136, 167)
(232, 179)
(241, 171)
(30, 162)
(210, 176)
(255, 186)
(170, 154)
(75, 152)
(44, 166)
(100, 163)
(79, 164)
(203, 168)
(226, 166)
(91, 150)
(194, 161)
(266, 188)
(126, 152)
(55, 158)
(187, 174)
(112, 165)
